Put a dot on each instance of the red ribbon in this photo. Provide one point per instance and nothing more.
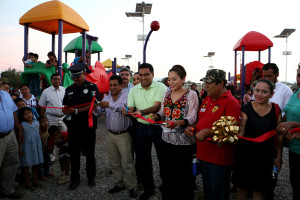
(152, 121)
(267, 135)
(91, 113)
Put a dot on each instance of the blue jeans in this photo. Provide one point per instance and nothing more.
(216, 181)
(44, 167)
(146, 135)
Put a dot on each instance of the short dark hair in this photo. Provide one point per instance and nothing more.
(21, 113)
(136, 73)
(116, 77)
(52, 129)
(271, 66)
(125, 69)
(36, 55)
(268, 82)
(218, 81)
(56, 74)
(193, 84)
(17, 100)
(146, 65)
(51, 54)
(30, 54)
(231, 88)
(78, 53)
(24, 85)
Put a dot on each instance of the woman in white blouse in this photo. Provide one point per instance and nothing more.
(179, 109)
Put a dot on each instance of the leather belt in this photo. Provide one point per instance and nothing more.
(118, 133)
(55, 115)
(2, 135)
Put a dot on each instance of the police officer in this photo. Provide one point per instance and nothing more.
(80, 134)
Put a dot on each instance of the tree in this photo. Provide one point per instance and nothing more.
(13, 76)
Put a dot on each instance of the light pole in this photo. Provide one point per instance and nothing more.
(285, 34)
(210, 55)
(127, 57)
(140, 10)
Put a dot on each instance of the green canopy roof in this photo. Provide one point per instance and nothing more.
(76, 44)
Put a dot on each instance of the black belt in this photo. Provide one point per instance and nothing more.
(118, 133)
(2, 135)
(55, 115)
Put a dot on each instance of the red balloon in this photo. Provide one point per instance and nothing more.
(155, 26)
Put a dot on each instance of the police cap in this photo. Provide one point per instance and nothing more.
(78, 69)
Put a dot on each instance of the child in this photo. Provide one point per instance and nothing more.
(28, 61)
(31, 148)
(34, 79)
(52, 60)
(60, 139)
(44, 168)
(20, 103)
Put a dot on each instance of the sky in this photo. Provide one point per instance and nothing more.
(188, 31)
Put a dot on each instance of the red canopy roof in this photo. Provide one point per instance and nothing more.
(253, 41)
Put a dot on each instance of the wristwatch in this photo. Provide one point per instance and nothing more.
(142, 112)
(76, 111)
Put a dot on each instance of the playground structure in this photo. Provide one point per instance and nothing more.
(252, 41)
(56, 18)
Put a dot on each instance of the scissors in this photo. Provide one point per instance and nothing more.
(127, 108)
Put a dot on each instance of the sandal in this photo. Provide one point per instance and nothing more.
(30, 187)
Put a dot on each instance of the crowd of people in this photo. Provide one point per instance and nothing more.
(33, 131)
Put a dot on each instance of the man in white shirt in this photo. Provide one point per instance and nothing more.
(282, 94)
(125, 73)
(53, 97)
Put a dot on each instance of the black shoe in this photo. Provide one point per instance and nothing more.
(74, 185)
(146, 195)
(132, 193)
(91, 183)
(115, 189)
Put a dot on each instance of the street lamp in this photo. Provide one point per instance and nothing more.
(140, 10)
(127, 57)
(285, 34)
(210, 55)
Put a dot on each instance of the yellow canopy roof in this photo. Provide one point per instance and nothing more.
(108, 64)
(44, 17)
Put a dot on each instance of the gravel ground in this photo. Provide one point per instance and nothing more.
(104, 181)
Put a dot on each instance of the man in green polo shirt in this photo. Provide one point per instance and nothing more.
(146, 98)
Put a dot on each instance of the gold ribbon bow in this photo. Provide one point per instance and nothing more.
(225, 130)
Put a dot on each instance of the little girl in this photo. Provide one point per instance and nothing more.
(60, 139)
(31, 148)
(44, 168)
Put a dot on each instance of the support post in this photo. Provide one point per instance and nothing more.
(25, 41)
(53, 42)
(83, 44)
(60, 38)
(243, 74)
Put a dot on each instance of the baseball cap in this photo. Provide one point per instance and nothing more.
(78, 69)
(213, 75)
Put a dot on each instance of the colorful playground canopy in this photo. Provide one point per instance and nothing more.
(108, 64)
(44, 17)
(253, 41)
(76, 44)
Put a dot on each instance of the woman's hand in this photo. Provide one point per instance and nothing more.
(189, 131)
(278, 162)
(284, 129)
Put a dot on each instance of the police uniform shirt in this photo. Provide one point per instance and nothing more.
(76, 95)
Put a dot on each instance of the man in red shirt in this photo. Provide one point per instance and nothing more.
(216, 161)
